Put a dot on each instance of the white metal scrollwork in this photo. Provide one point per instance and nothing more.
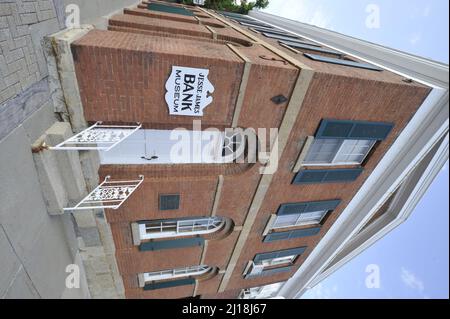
(109, 194)
(98, 137)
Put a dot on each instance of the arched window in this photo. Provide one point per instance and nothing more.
(179, 227)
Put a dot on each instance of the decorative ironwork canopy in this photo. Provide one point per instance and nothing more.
(98, 137)
(109, 194)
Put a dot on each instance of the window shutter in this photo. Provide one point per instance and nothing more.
(309, 47)
(275, 271)
(168, 284)
(305, 207)
(353, 130)
(169, 202)
(362, 65)
(171, 244)
(307, 176)
(169, 9)
(298, 233)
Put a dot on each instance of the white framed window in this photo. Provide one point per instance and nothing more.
(331, 151)
(300, 219)
(184, 227)
(176, 273)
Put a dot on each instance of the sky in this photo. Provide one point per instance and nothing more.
(416, 26)
(412, 260)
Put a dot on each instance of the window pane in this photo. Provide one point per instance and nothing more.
(278, 261)
(338, 151)
(311, 218)
(176, 273)
(285, 220)
(323, 150)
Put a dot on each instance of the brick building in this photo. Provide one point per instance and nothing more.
(213, 228)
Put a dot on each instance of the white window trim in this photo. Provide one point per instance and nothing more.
(333, 163)
(297, 223)
(176, 273)
(216, 222)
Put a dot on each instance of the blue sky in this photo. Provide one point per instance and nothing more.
(415, 26)
(413, 259)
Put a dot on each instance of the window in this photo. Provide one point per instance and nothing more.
(361, 65)
(278, 261)
(309, 47)
(169, 202)
(183, 227)
(290, 234)
(255, 24)
(314, 176)
(279, 37)
(274, 262)
(299, 214)
(299, 219)
(331, 151)
(272, 31)
(176, 273)
(233, 144)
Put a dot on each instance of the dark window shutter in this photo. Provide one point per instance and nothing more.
(171, 244)
(298, 233)
(305, 207)
(353, 130)
(307, 176)
(322, 205)
(342, 175)
(305, 232)
(169, 202)
(264, 256)
(289, 252)
(309, 47)
(168, 284)
(277, 236)
(169, 9)
(274, 271)
(362, 65)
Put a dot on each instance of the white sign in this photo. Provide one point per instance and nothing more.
(199, 2)
(188, 91)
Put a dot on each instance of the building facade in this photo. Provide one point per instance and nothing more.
(206, 225)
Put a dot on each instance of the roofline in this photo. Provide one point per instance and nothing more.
(428, 127)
